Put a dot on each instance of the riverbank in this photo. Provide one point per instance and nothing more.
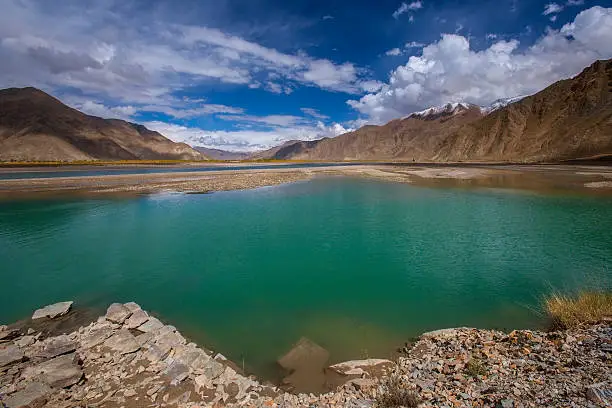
(541, 178)
(128, 358)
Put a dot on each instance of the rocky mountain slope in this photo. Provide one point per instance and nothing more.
(570, 119)
(34, 126)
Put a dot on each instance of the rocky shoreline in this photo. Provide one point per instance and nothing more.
(128, 358)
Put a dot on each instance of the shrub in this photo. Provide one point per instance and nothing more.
(475, 367)
(394, 395)
(587, 307)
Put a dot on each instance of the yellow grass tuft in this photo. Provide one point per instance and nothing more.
(587, 307)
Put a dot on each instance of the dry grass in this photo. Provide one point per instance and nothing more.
(587, 307)
(394, 395)
(475, 367)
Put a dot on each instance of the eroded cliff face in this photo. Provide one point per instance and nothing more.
(34, 126)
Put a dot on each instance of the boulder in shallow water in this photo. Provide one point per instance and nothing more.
(304, 353)
(117, 313)
(10, 354)
(52, 311)
(34, 394)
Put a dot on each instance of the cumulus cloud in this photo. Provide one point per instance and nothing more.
(246, 140)
(449, 70)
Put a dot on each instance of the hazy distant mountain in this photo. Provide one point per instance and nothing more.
(35, 126)
(569, 119)
(218, 154)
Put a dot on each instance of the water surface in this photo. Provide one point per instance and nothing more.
(358, 266)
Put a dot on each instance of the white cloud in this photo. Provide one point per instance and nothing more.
(414, 44)
(552, 8)
(97, 109)
(246, 140)
(314, 113)
(328, 17)
(449, 70)
(406, 7)
(394, 52)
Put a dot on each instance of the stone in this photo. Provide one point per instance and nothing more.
(123, 342)
(443, 333)
(155, 352)
(7, 334)
(56, 346)
(34, 393)
(137, 318)
(176, 372)
(151, 325)
(52, 311)
(304, 353)
(25, 341)
(132, 307)
(600, 394)
(117, 313)
(10, 354)
(96, 337)
(360, 367)
(59, 372)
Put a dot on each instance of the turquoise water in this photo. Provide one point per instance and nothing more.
(357, 266)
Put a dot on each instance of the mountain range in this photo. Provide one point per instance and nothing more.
(35, 126)
(571, 119)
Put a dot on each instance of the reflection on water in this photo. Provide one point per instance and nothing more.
(356, 266)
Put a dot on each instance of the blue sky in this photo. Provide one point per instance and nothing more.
(248, 75)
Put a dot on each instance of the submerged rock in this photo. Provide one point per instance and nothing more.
(52, 311)
(304, 353)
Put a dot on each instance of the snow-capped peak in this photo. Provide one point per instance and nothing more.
(501, 103)
(447, 110)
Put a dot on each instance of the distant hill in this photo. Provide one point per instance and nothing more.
(35, 126)
(568, 120)
(218, 154)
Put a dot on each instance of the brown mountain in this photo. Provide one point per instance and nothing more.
(414, 137)
(35, 126)
(569, 119)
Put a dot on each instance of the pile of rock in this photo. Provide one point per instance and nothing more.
(130, 359)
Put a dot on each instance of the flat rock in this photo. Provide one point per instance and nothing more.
(34, 393)
(57, 346)
(123, 342)
(52, 311)
(304, 353)
(7, 334)
(370, 366)
(443, 333)
(117, 313)
(176, 372)
(132, 306)
(10, 354)
(96, 336)
(150, 325)
(25, 341)
(137, 318)
(59, 372)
